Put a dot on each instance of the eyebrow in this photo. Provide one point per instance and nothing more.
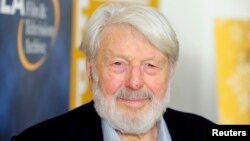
(111, 54)
(154, 59)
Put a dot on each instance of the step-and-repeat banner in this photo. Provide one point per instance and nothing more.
(35, 53)
(233, 67)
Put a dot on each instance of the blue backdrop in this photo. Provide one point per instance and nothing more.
(31, 96)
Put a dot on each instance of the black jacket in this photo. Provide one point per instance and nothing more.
(84, 124)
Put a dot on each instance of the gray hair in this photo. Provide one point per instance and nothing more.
(147, 20)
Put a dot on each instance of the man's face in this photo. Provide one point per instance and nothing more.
(128, 62)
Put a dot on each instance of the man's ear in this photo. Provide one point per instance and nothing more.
(88, 69)
(173, 69)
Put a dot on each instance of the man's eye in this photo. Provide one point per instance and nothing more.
(151, 69)
(118, 63)
(118, 67)
(150, 65)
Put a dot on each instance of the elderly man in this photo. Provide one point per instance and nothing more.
(131, 55)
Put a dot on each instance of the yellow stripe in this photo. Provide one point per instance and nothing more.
(73, 55)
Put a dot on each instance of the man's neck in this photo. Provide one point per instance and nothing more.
(151, 135)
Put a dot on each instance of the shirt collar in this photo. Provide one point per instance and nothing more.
(109, 134)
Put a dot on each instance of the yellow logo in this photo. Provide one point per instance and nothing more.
(36, 35)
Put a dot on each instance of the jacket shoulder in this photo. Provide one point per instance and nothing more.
(72, 125)
(187, 126)
(186, 118)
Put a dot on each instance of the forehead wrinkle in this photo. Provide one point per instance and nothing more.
(129, 30)
(137, 38)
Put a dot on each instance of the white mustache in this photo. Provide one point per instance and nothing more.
(130, 94)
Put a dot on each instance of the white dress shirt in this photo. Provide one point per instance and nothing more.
(109, 134)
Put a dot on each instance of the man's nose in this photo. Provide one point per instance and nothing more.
(135, 80)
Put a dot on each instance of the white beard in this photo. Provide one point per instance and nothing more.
(132, 121)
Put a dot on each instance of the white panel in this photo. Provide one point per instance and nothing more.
(194, 88)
